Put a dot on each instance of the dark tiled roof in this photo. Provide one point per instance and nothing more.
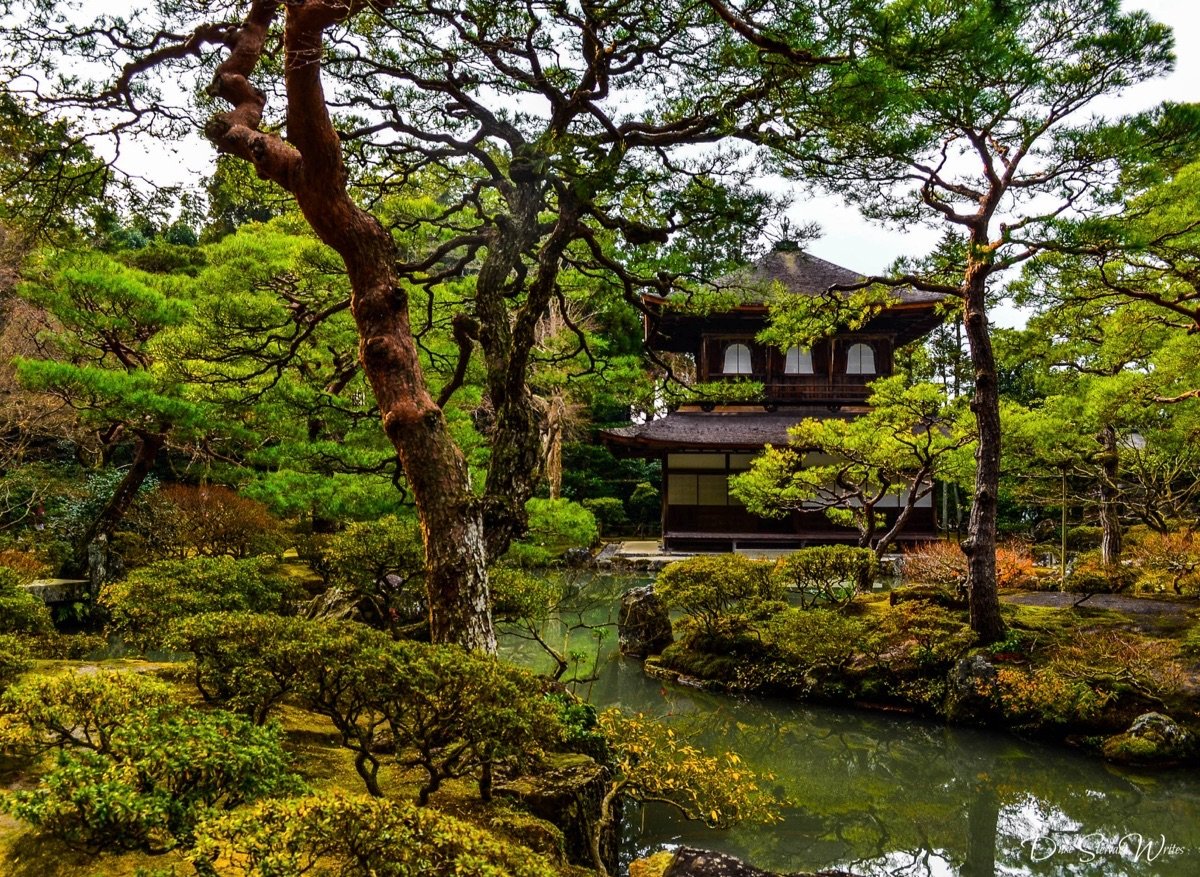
(803, 274)
(716, 429)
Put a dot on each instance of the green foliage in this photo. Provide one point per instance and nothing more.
(712, 589)
(608, 511)
(243, 661)
(381, 566)
(356, 837)
(924, 635)
(14, 661)
(132, 770)
(910, 436)
(166, 769)
(829, 573)
(144, 604)
(804, 646)
(1089, 575)
(74, 710)
(461, 712)
(448, 711)
(651, 761)
(20, 611)
(555, 525)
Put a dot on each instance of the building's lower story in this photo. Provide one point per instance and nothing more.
(700, 451)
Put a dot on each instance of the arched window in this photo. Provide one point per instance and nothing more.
(798, 361)
(737, 360)
(860, 360)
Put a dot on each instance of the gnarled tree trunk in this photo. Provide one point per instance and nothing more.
(310, 166)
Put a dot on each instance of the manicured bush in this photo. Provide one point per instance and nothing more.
(830, 574)
(461, 712)
(922, 635)
(942, 562)
(142, 606)
(20, 611)
(555, 525)
(381, 567)
(356, 837)
(246, 662)
(14, 661)
(714, 589)
(1089, 575)
(133, 770)
(74, 710)
(608, 511)
(448, 711)
(1167, 562)
(210, 520)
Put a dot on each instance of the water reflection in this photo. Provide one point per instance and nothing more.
(887, 795)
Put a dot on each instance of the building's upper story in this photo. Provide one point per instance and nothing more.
(834, 371)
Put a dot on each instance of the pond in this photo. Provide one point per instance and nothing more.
(877, 794)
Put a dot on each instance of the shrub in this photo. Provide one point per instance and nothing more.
(28, 565)
(133, 770)
(608, 511)
(20, 611)
(1168, 562)
(143, 605)
(75, 710)
(450, 712)
(1045, 697)
(1089, 575)
(936, 563)
(356, 837)
(1084, 538)
(943, 563)
(712, 588)
(208, 520)
(14, 661)
(645, 504)
(923, 634)
(1015, 567)
(243, 661)
(381, 566)
(830, 573)
(555, 525)
(461, 712)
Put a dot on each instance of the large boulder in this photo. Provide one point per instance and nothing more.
(1152, 738)
(969, 691)
(644, 625)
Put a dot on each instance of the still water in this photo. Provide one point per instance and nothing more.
(878, 794)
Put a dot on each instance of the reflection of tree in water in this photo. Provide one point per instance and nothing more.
(883, 795)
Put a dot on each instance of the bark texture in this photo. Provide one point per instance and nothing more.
(310, 166)
(980, 544)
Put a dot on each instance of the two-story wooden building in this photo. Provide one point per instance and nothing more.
(701, 446)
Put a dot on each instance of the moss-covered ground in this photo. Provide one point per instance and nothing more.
(1074, 674)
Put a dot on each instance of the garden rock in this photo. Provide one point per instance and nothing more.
(703, 863)
(969, 690)
(1153, 737)
(643, 626)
